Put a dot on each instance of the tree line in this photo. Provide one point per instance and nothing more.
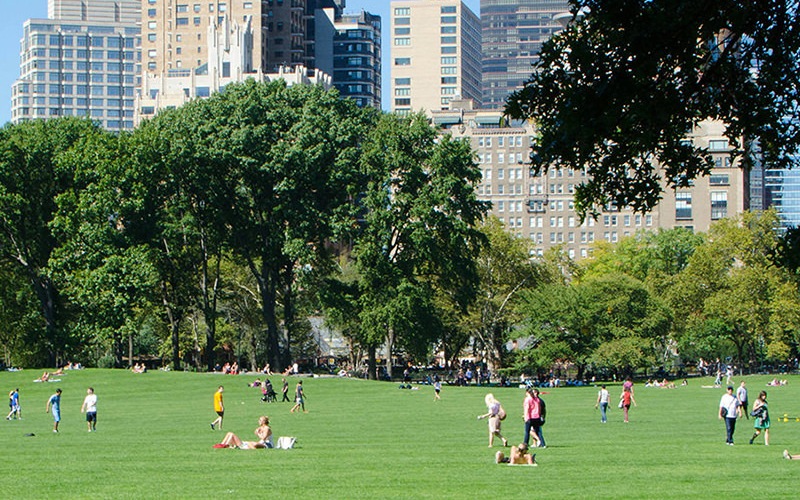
(214, 231)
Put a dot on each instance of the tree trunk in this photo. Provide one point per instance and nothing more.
(372, 365)
(287, 279)
(46, 294)
(389, 349)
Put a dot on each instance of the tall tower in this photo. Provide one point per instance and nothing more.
(436, 50)
(81, 61)
(513, 34)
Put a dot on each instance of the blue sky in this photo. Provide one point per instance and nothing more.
(17, 11)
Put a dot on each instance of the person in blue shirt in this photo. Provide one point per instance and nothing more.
(54, 404)
(13, 403)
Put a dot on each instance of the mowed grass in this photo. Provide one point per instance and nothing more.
(364, 439)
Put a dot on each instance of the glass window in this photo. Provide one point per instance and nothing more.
(402, 11)
(402, 21)
(402, 61)
(719, 205)
(402, 81)
(683, 205)
(402, 31)
(448, 19)
(402, 41)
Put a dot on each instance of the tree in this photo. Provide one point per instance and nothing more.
(730, 290)
(106, 274)
(419, 232)
(290, 157)
(505, 269)
(33, 172)
(620, 89)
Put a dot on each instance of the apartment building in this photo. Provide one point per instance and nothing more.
(84, 60)
(436, 47)
(541, 207)
(348, 47)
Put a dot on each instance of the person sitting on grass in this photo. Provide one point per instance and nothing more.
(263, 432)
(519, 456)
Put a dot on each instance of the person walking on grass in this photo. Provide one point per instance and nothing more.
(741, 395)
(299, 398)
(729, 410)
(13, 404)
(602, 402)
(437, 388)
(90, 407)
(495, 414)
(285, 390)
(54, 405)
(761, 412)
(627, 398)
(219, 408)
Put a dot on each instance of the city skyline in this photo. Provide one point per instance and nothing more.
(17, 13)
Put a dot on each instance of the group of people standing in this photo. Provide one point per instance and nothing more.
(53, 406)
(533, 414)
(734, 406)
(625, 400)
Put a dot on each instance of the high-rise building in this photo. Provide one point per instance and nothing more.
(541, 207)
(782, 191)
(83, 60)
(348, 46)
(513, 34)
(436, 51)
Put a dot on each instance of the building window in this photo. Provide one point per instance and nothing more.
(719, 180)
(402, 102)
(402, 92)
(719, 205)
(402, 31)
(448, 30)
(448, 19)
(720, 145)
(683, 205)
(402, 11)
(182, 8)
(402, 41)
(448, 40)
(402, 61)
(402, 81)
(450, 49)
(402, 21)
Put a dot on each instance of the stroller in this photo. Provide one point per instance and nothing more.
(268, 394)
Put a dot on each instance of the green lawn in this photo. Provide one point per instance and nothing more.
(365, 439)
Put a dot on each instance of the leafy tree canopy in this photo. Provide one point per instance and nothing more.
(619, 91)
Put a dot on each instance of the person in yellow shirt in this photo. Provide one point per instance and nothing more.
(219, 407)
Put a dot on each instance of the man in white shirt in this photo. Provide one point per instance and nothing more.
(90, 407)
(729, 410)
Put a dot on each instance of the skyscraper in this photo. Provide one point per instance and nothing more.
(513, 33)
(81, 61)
(436, 46)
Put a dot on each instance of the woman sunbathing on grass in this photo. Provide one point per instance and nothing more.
(519, 456)
(263, 432)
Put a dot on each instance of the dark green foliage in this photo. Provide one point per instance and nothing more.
(621, 88)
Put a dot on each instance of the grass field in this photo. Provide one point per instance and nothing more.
(365, 439)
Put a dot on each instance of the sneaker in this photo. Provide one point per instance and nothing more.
(505, 442)
(751, 440)
(786, 455)
(55, 430)
(212, 427)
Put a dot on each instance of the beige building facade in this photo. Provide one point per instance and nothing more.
(175, 32)
(541, 207)
(436, 54)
